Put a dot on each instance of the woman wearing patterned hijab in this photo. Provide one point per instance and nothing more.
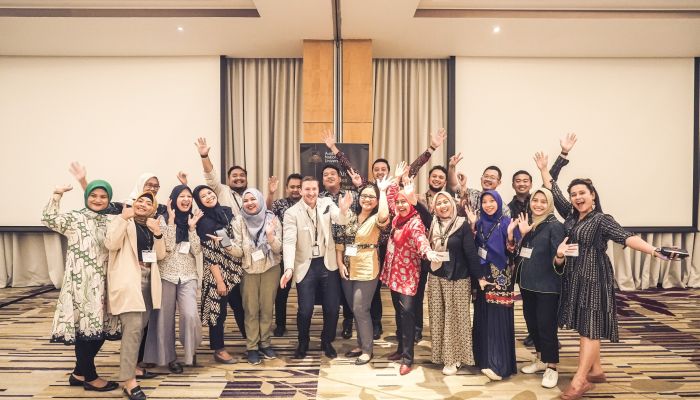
(81, 316)
(257, 240)
(449, 285)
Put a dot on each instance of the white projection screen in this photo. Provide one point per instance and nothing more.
(634, 119)
(120, 117)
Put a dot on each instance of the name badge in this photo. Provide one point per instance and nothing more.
(148, 256)
(184, 248)
(482, 252)
(350, 250)
(572, 252)
(258, 255)
(443, 255)
(525, 252)
(315, 251)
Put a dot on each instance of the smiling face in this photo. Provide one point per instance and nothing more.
(143, 207)
(184, 201)
(152, 185)
(309, 192)
(581, 198)
(250, 204)
(402, 206)
(379, 170)
(490, 179)
(331, 179)
(294, 189)
(208, 198)
(437, 180)
(368, 199)
(522, 184)
(443, 207)
(489, 204)
(98, 200)
(237, 179)
(538, 204)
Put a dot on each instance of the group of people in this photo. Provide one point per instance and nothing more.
(129, 265)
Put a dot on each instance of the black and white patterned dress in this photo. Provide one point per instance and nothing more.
(588, 286)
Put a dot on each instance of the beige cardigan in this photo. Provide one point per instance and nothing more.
(242, 247)
(124, 271)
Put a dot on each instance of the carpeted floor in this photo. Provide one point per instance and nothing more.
(658, 358)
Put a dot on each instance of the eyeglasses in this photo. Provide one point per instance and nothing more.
(154, 187)
(489, 177)
(368, 196)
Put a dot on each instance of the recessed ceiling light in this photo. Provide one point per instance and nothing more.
(180, 29)
(496, 29)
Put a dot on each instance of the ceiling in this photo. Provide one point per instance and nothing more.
(398, 28)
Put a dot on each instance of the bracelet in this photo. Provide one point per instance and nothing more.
(207, 156)
(431, 147)
(158, 236)
(564, 154)
(560, 258)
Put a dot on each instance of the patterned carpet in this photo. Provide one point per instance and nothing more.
(658, 358)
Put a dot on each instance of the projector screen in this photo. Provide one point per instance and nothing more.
(633, 118)
(120, 117)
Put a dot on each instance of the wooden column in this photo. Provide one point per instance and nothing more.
(357, 92)
(317, 75)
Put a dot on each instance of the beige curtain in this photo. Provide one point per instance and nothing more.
(31, 259)
(410, 101)
(264, 121)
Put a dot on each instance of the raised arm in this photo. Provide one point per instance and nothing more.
(52, 218)
(452, 179)
(272, 185)
(79, 172)
(343, 159)
(203, 149)
(566, 143)
(436, 140)
(383, 212)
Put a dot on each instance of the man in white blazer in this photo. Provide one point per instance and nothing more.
(309, 255)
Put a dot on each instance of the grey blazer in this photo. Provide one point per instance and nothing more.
(298, 236)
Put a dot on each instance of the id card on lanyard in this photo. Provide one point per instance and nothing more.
(484, 239)
(315, 249)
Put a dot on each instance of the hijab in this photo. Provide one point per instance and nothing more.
(138, 188)
(399, 221)
(214, 218)
(98, 184)
(490, 230)
(442, 229)
(537, 220)
(182, 227)
(142, 220)
(256, 222)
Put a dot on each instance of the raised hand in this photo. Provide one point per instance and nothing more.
(384, 183)
(355, 177)
(438, 137)
(462, 179)
(182, 177)
(455, 159)
(202, 147)
(194, 218)
(78, 171)
(270, 229)
(512, 225)
(153, 225)
(62, 189)
(273, 184)
(407, 184)
(400, 169)
(541, 160)
(328, 138)
(171, 212)
(523, 224)
(471, 215)
(127, 212)
(346, 202)
(567, 143)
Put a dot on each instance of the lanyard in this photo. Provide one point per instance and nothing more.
(315, 224)
(485, 239)
(233, 194)
(256, 239)
(145, 232)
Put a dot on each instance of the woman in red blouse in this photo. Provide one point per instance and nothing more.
(401, 273)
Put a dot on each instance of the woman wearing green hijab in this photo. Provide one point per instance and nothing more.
(81, 317)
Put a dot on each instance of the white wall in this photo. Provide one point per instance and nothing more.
(634, 119)
(118, 116)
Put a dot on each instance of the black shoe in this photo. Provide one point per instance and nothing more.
(108, 387)
(347, 329)
(377, 331)
(418, 337)
(175, 367)
(73, 381)
(528, 341)
(279, 331)
(136, 393)
(253, 357)
(146, 375)
(328, 350)
(301, 350)
(268, 353)
(353, 353)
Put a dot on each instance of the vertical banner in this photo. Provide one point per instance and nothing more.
(314, 156)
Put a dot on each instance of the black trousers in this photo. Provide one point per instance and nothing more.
(236, 302)
(281, 303)
(540, 312)
(375, 309)
(216, 332)
(318, 278)
(420, 294)
(85, 352)
(405, 311)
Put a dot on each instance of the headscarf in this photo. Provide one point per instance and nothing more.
(182, 227)
(138, 188)
(256, 222)
(98, 184)
(494, 243)
(536, 220)
(398, 222)
(441, 230)
(142, 220)
(214, 218)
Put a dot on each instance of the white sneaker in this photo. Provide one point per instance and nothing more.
(550, 378)
(490, 374)
(536, 366)
(450, 369)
